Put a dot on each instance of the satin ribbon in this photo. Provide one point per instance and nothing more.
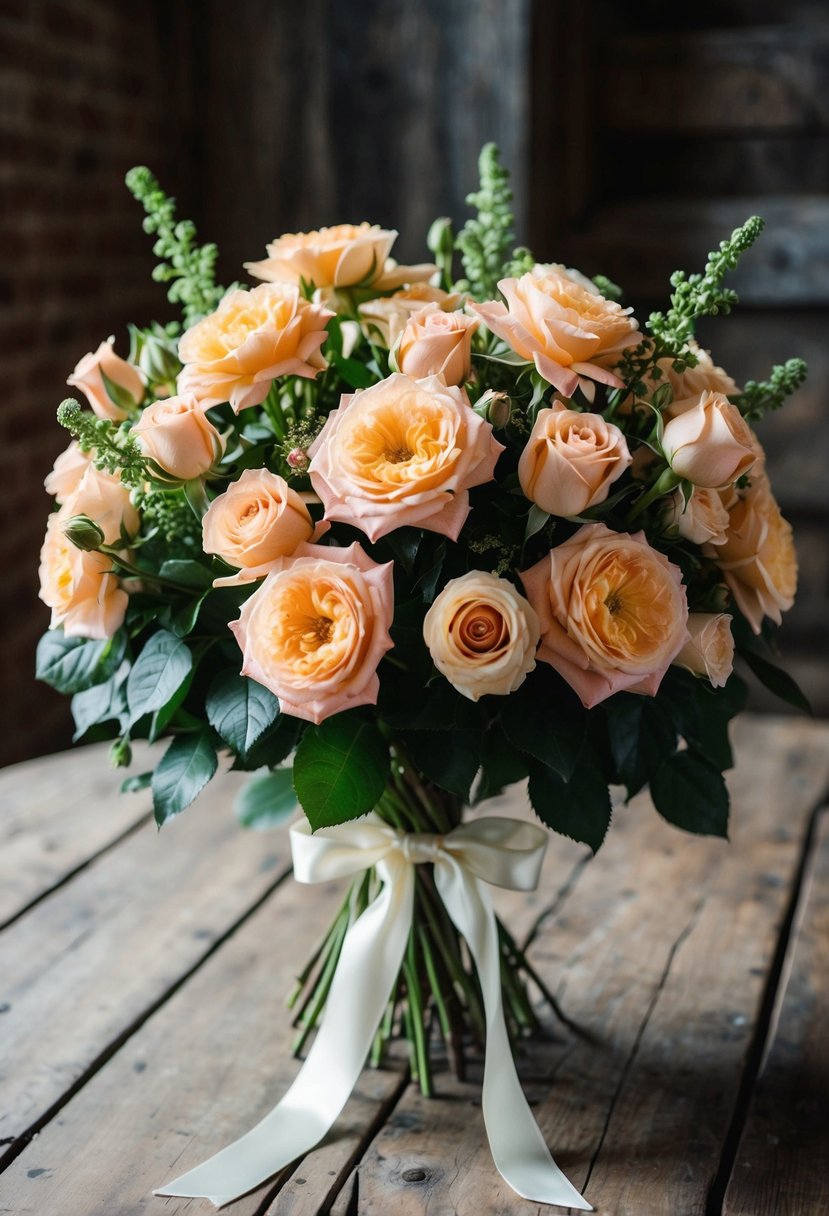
(503, 852)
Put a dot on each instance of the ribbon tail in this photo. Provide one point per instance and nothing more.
(518, 1149)
(370, 960)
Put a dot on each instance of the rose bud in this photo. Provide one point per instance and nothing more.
(707, 441)
(178, 437)
(709, 650)
(110, 384)
(571, 460)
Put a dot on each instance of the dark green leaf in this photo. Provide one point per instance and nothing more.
(340, 770)
(355, 373)
(101, 703)
(157, 674)
(240, 710)
(183, 772)
(275, 745)
(404, 544)
(183, 620)
(119, 396)
(164, 716)
(501, 764)
(777, 681)
(545, 719)
(265, 801)
(73, 664)
(641, 734)
(187, 572)
(579, 808)
(690, 793)
(450, 759)
(139, 781)
(405, 704)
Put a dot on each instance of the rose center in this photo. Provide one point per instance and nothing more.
(323, 627)
(398, 455)
(613, 602)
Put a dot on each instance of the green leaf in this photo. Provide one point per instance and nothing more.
(536, 520)
(263, 802)
(355, 373)
(101, 703)
(157, 674)
(404, 544)
(405, 704)
(240, 710)
(449, 759)
(183, 772)
(641, 735)
(71, 665)
(118, 396)
(545, 719)
(340, 770)
(275, 745)
(579, 808)
(162, 717)
(137, 782)
(777, 681)
(691, 794)
(183, 620)
(187, 572)
(501, 764)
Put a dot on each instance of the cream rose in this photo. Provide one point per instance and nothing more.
(571, 460)
(385, 318)
(758, 558)
(707, 441)
(702, 520)
(84, 595)
(176, 434)
(347, 255)
(709, 650)
(437, 343)
(258, 519)
(106, 501)
(403, 452)
(555, 319)
(126, 380)
(482, 635)
(252, 338)
(613, 612)
(67, 471)
(315, 630)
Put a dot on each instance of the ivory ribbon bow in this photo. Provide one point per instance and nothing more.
(504, 852)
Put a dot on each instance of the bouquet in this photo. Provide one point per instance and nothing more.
(394, 540)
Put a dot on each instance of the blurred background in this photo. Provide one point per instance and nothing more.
(638, 135)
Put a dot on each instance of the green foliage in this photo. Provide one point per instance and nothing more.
(760, 397)
(105, 702)
(340, 769)
(112, 447)
(486, 240)
(188, 267)
(157, 674)
(448, 759)
(240, 710)
(71, 665)
(266, 801)
(690, 793)
(184, 770)
(545, 721)
(579, 808)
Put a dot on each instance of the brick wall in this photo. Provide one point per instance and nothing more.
(87, 89)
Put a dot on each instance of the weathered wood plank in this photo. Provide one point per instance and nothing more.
(719, 80)
(93, 958)
(660, 952)
(782, 1163)
(57, 813)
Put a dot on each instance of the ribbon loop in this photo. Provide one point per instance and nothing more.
(502, 852)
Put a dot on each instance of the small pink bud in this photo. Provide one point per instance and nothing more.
(298, 458)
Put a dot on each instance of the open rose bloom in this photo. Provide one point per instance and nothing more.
(455, 524)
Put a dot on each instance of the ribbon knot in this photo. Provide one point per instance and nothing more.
(503, 852)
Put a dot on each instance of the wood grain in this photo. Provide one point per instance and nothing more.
(782, 1163)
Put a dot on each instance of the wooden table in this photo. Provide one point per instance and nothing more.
(142, 1024)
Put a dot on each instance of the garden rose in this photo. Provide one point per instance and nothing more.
(557, 320)
(385, 318)
(67, 471)
(252, 338)
(704, 377)
(437, 343)
(79, 587)
(571, 460)
(178, 436)
(403, 452)
(315, 630)
(482, 635)
(106, 501)
(758, 558)
(258, 519)
(89, 374)
(707, 441)
(613, 612)
(347, 255)
(702, 520)
(709, 650)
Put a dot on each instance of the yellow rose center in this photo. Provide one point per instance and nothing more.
(311, 626)
(629, 606)
(405, 444)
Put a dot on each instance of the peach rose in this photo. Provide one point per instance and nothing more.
(437, 343)
(347, 255)
(613, 612)
(79, 587)
(258, 519)
(106, 501)
(253, 337)
(758, 558)
(557, 320)
(126, 381)
(571, 460)
(704, 377)
(707, 441)
(67, 471)
(702, 520)
(178, 437)
(402, 452)
(315, 630)
(709, 650)
(385, 318)
(482, 635)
